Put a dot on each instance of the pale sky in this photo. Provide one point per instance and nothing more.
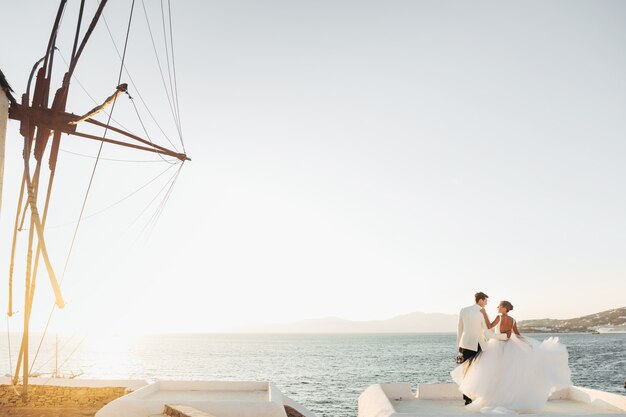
(359, 159)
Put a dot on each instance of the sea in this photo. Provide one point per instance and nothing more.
(324, 372)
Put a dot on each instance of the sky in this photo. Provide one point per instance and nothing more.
(358, 159)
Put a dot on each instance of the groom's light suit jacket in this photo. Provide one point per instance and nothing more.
(472, 328)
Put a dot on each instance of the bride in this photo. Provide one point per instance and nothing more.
(513, 373)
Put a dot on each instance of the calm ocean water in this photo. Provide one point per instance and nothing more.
(326, 373)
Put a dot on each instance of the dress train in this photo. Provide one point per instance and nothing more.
(514, 375)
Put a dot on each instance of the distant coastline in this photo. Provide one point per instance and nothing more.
(610, 321)
(416, 322)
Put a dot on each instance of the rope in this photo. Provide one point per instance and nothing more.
(180, 129)
(157, 214)
(80, 19)
(169, 72)
(53, 35)
(27, 290)
(32, 74)
(117, 202)
(82, 210)
(74, 351)
(75, 78)
(156, 55)
(58, 350)
(90, 29)
(64, 362)
(15, 228)
(95, 164)
(148, 206)
(31, 278)
(122, 88)
(137, 88)
(143, 126)
(45, 216)
(129, 195)
(36, 187)
(169, 161)
(36, 222)
(9, 346)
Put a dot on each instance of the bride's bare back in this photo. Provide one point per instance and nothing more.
(507, 323)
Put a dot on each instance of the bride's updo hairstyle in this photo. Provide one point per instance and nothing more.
(506, 305)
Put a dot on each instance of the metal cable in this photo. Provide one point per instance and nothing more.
(148, 206)
(169, 161)
(143, 126)
(169, 71)
(137, 88)
(9, 347)
(163, 203)
(156, 55)
(92, 173)
(75, 78)
(180, 127)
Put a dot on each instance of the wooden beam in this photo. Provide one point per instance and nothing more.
(59, 121)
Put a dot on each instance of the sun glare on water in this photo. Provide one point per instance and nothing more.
(108, 353)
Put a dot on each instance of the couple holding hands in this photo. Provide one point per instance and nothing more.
(501, 370)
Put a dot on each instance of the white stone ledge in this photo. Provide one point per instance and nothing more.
(397, 400)
(597, 398)
(439, 392)
(219, 398)
(133, 384)
(373, 402)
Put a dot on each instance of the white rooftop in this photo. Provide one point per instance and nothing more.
(217, 398)
(176, 397)
(456, 408)
(397, 400)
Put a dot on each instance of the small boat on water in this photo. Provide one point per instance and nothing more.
(611, 329)
(398, 400)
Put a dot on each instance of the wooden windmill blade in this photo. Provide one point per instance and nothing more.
(40, 125)
(63, 122)
(6, 99)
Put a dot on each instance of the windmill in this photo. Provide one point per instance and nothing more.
(42, 124)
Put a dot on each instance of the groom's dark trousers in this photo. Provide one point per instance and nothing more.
(469, 355)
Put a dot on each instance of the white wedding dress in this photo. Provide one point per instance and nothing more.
(515, 375)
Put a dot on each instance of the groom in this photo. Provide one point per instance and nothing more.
(471, 333)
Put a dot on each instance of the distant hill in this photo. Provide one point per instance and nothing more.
(406, 323)
(417, 322)
(606, 321)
